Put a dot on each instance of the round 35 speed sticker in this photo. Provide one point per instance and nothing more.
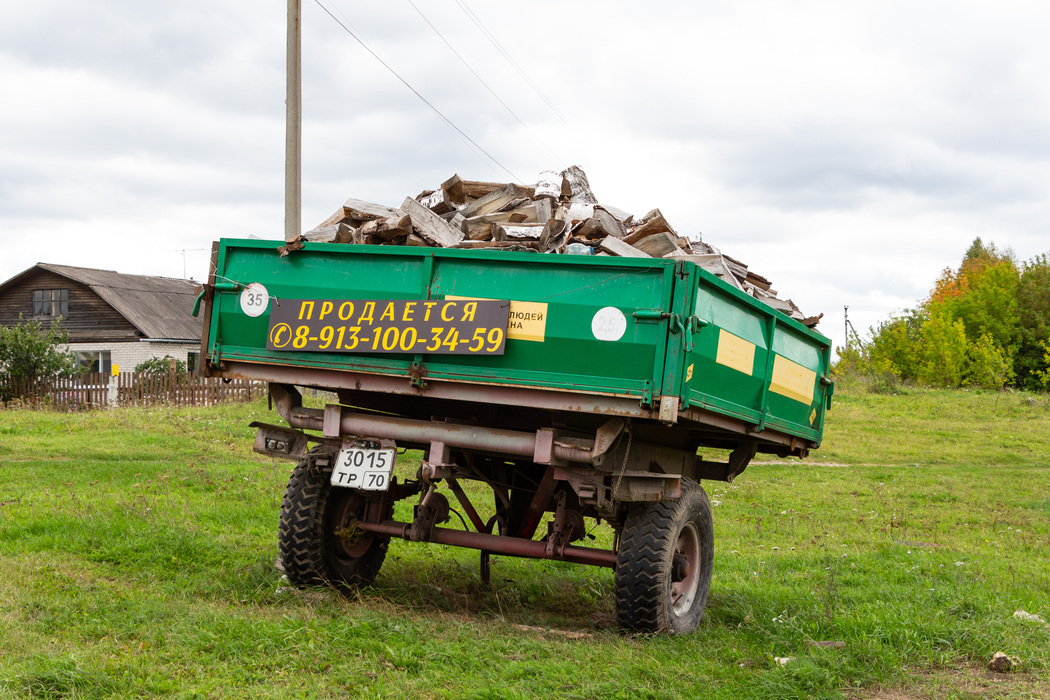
(254, 299)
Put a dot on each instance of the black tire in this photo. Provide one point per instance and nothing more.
(655, 593)
(316, 547)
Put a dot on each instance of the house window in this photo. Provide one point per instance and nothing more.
(95, 362)
(51, 302)
(193, 360)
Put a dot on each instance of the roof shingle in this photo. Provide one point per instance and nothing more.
(160, 307)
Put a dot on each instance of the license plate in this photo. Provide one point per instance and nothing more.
(364, 468)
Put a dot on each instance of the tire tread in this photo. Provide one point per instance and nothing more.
(644, 559)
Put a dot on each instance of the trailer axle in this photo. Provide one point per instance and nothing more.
(498, 544)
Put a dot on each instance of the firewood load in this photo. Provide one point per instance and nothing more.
(559, 214)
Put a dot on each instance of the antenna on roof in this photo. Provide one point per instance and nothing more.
(184, 251)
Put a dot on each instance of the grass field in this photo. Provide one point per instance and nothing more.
(137, 550)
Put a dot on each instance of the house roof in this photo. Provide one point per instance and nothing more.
(159, 307)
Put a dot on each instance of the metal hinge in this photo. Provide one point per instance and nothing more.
(417, 373)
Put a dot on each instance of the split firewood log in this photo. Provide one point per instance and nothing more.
(616, 246)
(429, 226)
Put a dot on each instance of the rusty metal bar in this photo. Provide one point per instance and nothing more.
(452, 434)
(458, 388)
(538, 506)
(495, 440)
(461, 496)
(498, 544)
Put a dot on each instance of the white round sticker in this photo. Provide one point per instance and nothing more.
(254, 299)
(609, 324)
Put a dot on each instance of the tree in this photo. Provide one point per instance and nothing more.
(29, 350)
(989, 307)
(987, 366)
(895, 345)
(1044, 375)
(983, 295)
(1033, 305)
(984, 325)
(943, 352)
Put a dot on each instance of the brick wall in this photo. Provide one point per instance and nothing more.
(129, 355)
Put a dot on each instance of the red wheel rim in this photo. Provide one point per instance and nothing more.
(683, 592)
(349, 512)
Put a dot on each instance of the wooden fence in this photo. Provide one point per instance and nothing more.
(59, 393)
(182, 389)
(128, 389)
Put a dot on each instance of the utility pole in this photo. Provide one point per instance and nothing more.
(850, 328)
(293, 128)
(845, 313)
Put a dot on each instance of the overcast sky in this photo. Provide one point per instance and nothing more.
(847, 151)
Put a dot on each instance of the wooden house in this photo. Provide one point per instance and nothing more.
(111, 318)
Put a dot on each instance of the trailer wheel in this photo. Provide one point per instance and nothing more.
(318, 542)
(664, 564)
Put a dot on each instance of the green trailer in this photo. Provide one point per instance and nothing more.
(574, 387)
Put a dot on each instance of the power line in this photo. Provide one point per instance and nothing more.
(482, 81)
(474, 147)
(499, 47)
(416, 92)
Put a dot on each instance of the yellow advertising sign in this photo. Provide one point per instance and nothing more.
(528, 319)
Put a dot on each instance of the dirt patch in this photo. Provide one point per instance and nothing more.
(807, 463)
(971, 683)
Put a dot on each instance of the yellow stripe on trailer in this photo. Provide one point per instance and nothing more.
(735, 353)
(792, 380)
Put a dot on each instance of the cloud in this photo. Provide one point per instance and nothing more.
(847, 151)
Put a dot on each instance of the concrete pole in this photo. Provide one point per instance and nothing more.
(293, 129)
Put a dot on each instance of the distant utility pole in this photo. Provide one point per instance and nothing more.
(845, 313)
(293, 129)
(850, 328)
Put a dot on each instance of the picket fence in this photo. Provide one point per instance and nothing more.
(89, 391)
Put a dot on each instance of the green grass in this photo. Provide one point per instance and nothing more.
(137, 549)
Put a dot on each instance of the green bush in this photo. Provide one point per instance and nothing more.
(160, 365)
(943, 352)
(983, 325)
(1044, 375)
(987, 365)
(29, 350)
